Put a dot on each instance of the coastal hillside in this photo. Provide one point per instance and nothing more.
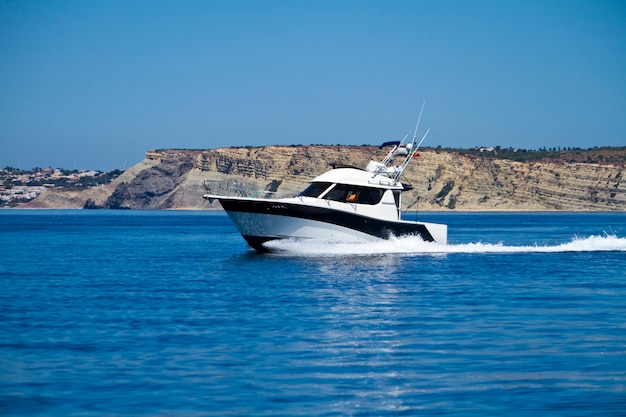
(442, 180)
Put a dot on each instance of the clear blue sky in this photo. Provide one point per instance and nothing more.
(94, 84)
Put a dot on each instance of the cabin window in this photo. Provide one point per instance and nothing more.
(315, 189)
(354, 194)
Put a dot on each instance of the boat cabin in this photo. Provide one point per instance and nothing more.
(355, 186)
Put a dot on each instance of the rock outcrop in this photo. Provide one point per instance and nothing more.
(173, 179)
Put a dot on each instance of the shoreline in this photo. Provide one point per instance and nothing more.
(219, 209)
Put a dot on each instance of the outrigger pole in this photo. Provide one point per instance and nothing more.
(418, 121)
(411, 146)
(391, 153)
(410, 155)
(409, 150)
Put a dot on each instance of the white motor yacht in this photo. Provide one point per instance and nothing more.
(345, 204)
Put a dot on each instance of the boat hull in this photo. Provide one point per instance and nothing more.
(262, 220)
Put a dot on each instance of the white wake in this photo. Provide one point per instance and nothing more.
(415, 245)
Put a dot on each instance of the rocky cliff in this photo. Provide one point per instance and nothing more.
(173, 179)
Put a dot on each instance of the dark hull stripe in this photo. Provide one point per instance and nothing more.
(375, 227)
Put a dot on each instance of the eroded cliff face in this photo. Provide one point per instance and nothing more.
(474, 183)
(173, 179)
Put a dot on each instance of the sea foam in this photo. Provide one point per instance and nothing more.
(415, 245)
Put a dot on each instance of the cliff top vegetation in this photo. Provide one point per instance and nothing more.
(595, 155)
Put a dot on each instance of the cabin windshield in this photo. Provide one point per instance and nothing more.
(355, 194)
(315, 189)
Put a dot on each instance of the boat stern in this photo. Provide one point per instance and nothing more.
(439, 232)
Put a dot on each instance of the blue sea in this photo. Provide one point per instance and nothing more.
(167, 313)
